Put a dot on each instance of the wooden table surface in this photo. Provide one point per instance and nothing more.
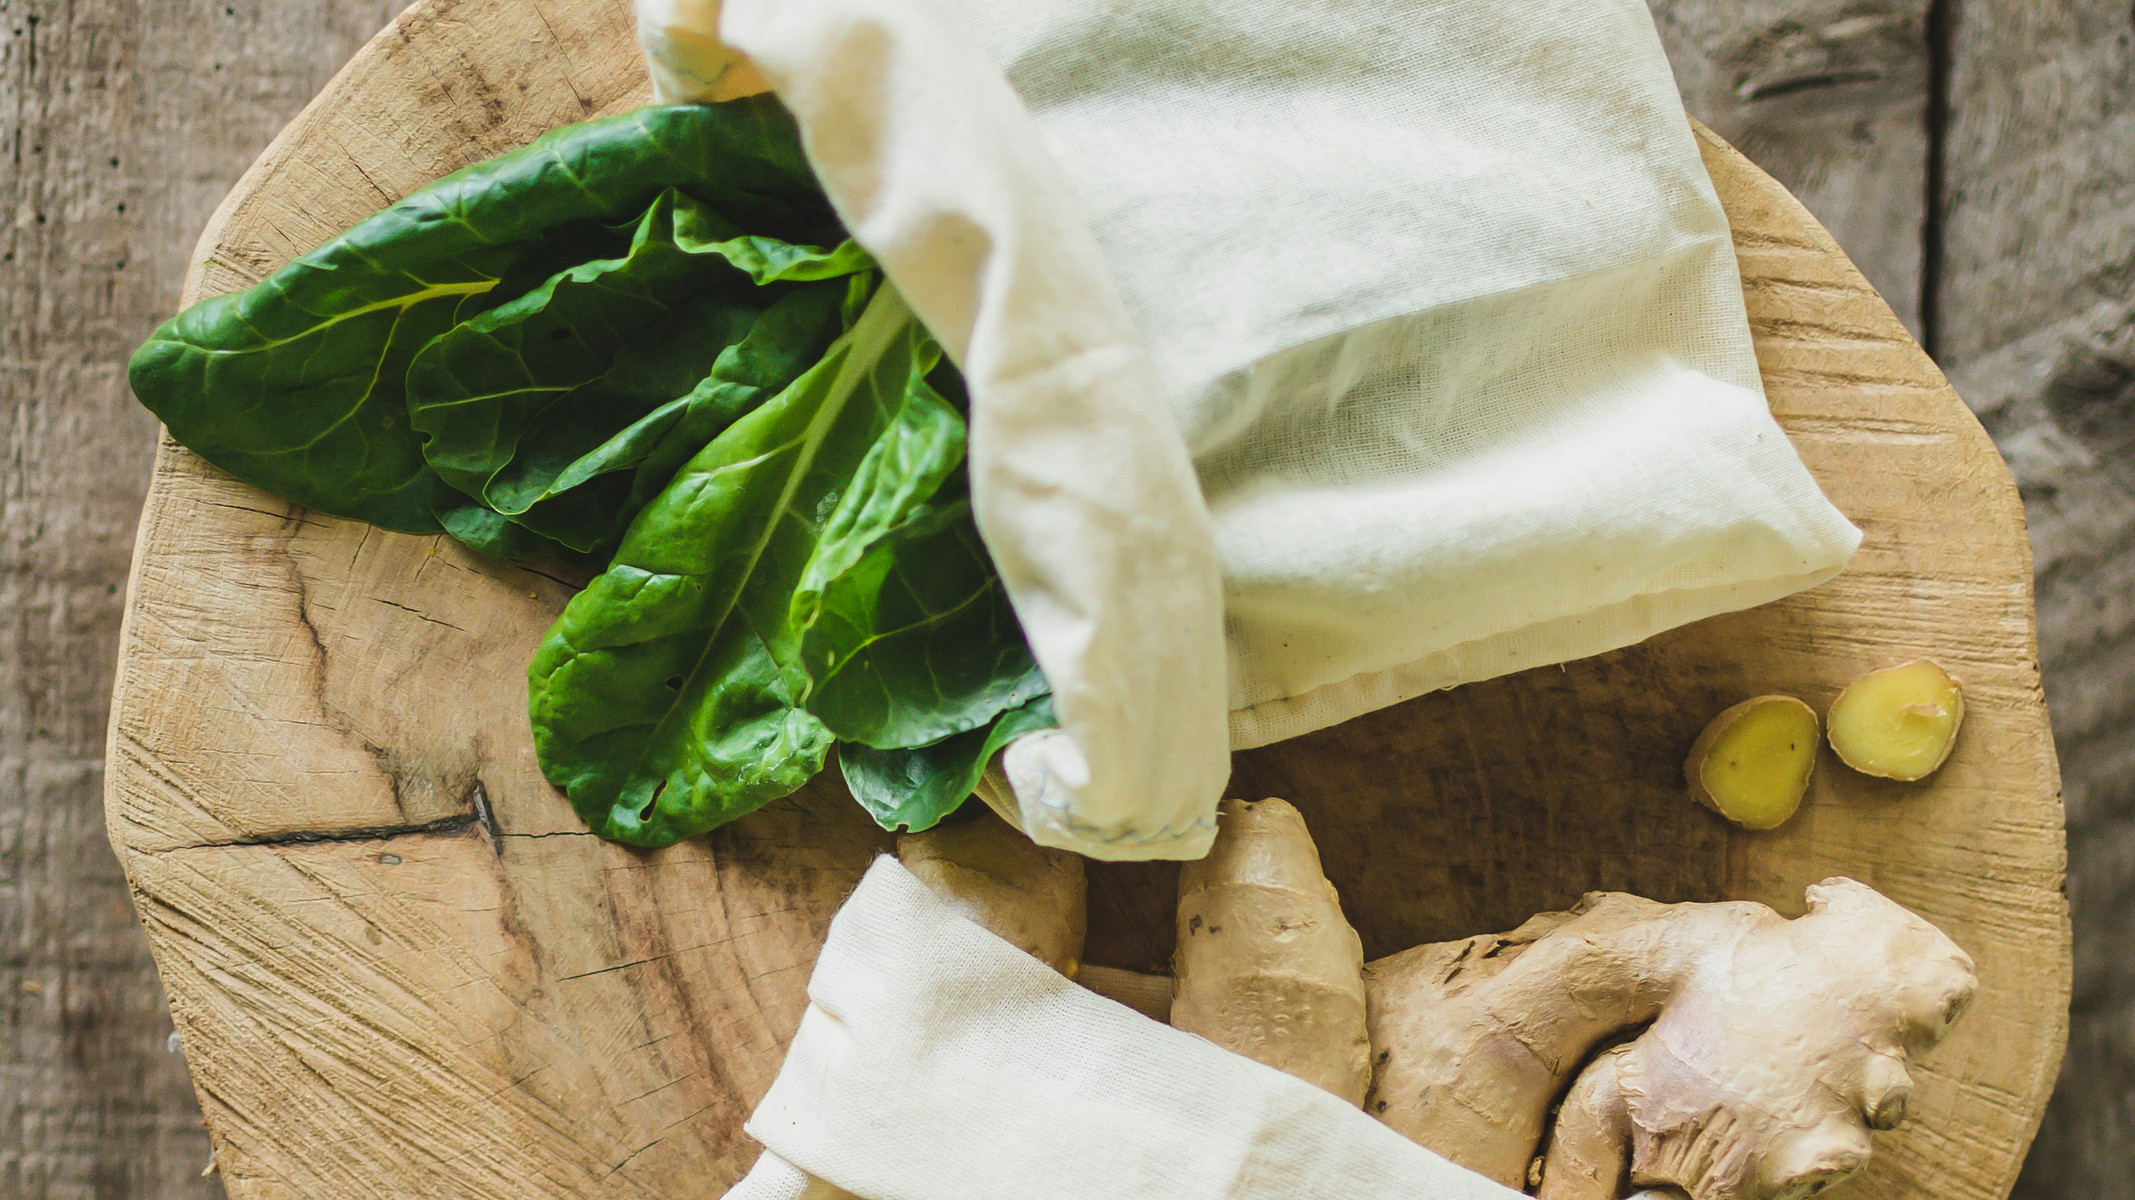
(402, 967)
(127, 122)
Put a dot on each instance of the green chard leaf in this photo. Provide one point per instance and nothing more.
(914, 640)
(644, 343)
(911, 790)
(490, 532)
(297, 384)
(660, 701)
(679, 690)
(566, 409)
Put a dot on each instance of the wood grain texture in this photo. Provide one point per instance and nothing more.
(1831, 97)
(2038, 327)
(121, 126)
(403, 969)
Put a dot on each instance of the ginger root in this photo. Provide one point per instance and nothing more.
(1709, 1051)
(1774, 1045)
(1266, 965)
(1027, 894)
(1898, 723)
(1752, 763)
(1854, 990)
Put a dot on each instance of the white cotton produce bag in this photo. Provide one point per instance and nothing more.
(936, 1061)
(1322, 353)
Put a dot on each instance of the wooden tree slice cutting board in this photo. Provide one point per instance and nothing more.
(402, 968)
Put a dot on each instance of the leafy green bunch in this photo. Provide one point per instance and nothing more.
(644, 344)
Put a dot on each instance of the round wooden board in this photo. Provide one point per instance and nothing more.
(402, 968)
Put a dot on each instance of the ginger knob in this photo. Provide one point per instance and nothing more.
(1752, 763)
(1267, 966)
(1898, 723)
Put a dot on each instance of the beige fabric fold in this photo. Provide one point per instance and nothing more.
(1322, 352)
(1080, 483)
(938, 1062)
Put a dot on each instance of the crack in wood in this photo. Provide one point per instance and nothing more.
(1934, 201)
(376, 833)
(1776, 88)
(478, 800)
(418, 614)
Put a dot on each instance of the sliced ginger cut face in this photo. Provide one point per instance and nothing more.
(1898, 723)
(1752, 764)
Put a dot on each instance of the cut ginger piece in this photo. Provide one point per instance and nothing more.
(1752, 763)
(1898, 723)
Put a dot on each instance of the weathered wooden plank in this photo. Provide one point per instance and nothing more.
(2038, 253)
(1831, 98)
(121, 125)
